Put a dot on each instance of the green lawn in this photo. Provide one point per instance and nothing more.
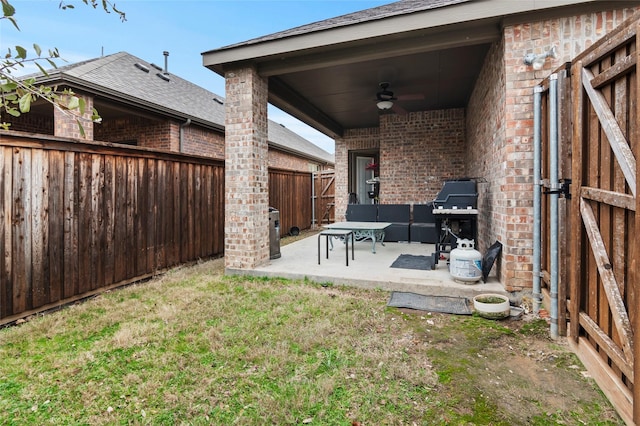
(197, 347)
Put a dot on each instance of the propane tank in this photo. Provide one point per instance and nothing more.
(465, 262)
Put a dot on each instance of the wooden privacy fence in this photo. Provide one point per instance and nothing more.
(290, 194)
(324, 199)
(604, 278)
(78, 218)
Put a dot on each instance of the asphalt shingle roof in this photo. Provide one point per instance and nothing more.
(126, 77)
(402, 7)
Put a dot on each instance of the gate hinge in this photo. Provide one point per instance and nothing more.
(564, 191)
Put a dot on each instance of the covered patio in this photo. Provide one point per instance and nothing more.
(414, 93)
(299, 260)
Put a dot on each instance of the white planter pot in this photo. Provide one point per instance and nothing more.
(492, 306)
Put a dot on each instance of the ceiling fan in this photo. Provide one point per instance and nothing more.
(385, 99)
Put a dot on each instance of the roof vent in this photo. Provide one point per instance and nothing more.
(159, 68)
(141, 67)
(166, 62)
(165, 77)
(218, 101)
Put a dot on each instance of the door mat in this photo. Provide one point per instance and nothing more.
(410, 261)
(420, 302)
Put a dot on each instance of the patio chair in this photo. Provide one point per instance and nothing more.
(423, 228)
(399, 215)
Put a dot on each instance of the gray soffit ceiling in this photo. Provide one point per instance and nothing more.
(430, 52)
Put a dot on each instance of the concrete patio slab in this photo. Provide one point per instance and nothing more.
(299, 260)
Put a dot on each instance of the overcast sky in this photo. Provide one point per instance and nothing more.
(183, 28)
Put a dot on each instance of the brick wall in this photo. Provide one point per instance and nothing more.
(418, 151)
(66, 123)
(287, 161)
(353, 139)
(33, 122)
(486, 149)
(201, 141)
(500, 132)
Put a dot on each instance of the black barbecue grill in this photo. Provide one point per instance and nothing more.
(456, 214)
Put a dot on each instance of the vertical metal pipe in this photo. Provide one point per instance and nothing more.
(537, 188)
(181, 134)
(553, 202)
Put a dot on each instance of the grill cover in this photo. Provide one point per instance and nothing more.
(460, 194)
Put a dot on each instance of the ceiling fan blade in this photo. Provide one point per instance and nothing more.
(398, 109)
(414, 97)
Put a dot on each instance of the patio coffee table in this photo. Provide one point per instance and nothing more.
(373, 231)
(336, 233)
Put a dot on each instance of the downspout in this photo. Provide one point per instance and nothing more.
(313, 200)
(537, 189)
(182, 126)
(553, 205)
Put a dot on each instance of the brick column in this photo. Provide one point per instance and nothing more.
(65, 124)
(246, 225)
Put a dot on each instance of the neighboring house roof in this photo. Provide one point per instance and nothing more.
(125, 78)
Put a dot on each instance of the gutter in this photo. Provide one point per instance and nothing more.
(182, 126)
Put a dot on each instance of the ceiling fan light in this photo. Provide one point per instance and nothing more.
(385, 105)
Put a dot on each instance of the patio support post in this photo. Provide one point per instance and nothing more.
(246, 227)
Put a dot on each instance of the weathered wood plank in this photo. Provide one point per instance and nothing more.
(108, 218)
(131, 206)
(70, 226)
(6, 231)
(197, 211)
(591, 168)
(185, 200)
(604, 211)
(615, 136)
(616, 303)
(85, 259)
(140, 217)
(612, 198)
(218, 224)
(633, 296)
(611, 386)
(56, 225)
(39, 229)
(162, 198)
(618, 216)
(622, 67)
(606, 45)
(21, 224)
(97, 221)
(177, 198)
(120, 219)
(152, 214)
(604, 341)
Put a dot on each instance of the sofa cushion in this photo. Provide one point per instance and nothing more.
(394, 213)
(423, 213)
(362, 212)
(424, 233)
